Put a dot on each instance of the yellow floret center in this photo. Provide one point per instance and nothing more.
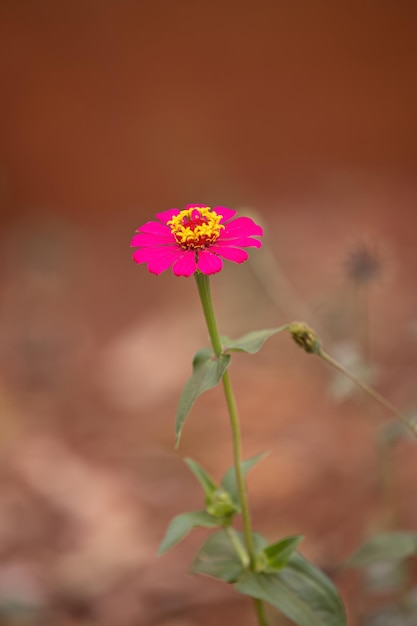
(196, 227)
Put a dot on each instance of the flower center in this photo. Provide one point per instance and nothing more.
(196, 227)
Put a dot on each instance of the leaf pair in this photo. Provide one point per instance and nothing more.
(212, 517)
(220, 550)
(208, 370)
(289, 582)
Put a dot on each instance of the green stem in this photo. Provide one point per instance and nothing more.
(204, 292)
(237, 544)
(203, 285)
(374, 394)
(260, 612)
(237, 455)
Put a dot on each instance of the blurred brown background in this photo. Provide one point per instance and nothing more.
(302, 113)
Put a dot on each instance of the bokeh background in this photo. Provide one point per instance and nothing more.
(300, 114)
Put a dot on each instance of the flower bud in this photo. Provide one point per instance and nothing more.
(220, 504)
(305, 337)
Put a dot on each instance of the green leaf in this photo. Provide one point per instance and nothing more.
(219, 557)
(300, 591)
(207, 373)
(251, 342)
(229, 482)
(393, 546)
(181, 525)
(278, 554)
(203, 478)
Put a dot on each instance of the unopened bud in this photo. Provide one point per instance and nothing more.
(305, 337)
(220, 504)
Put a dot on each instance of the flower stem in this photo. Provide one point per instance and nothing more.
(374, 394)
(203, 285)
(260, 612)
(237, 455)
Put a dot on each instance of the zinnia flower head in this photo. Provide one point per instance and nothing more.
(196, 238)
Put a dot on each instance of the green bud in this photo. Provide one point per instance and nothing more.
(220, 504)
(305, 337)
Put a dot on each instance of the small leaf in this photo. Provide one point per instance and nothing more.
(279, 553)
(203, 478)
(229, 482)
(300, 591)
(219, 558)
(251, 342)
(181, 525)
(207, 373)
(393, 546)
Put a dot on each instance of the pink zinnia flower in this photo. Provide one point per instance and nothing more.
(196, 238)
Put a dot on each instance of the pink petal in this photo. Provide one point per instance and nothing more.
(225, 212)
(165, 216)
(242, 242)
(159, 258)
(231, 254)
(143, 239)
(164, 261)
(209, 263)
(154, 228)
(144, 255)
(186, 265)
(242, 226)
